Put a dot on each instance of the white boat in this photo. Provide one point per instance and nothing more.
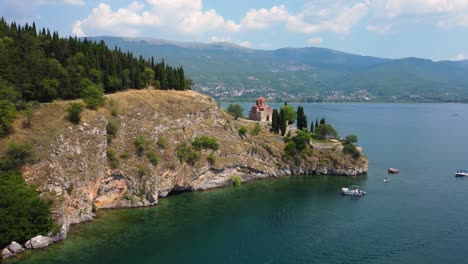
(461, 173)
(386, 180)
(352, 190)
(393, 170)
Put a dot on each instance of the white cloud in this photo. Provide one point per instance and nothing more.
(338, 18)
(185, 17)
(264, 18)
(124, 21)
(315, 41)
(459, 57)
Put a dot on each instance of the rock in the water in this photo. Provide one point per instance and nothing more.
(15, 247)
(6, 253)
(41, 241)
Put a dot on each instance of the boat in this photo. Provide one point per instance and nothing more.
(393, 170)
(353, 190)
(386, 180)
(461, 173)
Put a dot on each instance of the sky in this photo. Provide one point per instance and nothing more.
(432, 29)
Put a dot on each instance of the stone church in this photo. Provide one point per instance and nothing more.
(261, 111)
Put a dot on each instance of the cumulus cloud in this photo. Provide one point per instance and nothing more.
(338, 18)
(124, 21)
(183, 16)
(188, 17)
(315, 41)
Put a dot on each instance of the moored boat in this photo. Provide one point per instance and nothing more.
(353, 190)
(461, 173)
(393, 170)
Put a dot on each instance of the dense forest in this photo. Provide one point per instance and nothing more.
(37, 65)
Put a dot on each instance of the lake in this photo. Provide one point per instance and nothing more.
(420, 216)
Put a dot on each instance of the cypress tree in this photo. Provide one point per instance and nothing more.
(312, 127)
(273, 120)
(282, 122)
(322, 121)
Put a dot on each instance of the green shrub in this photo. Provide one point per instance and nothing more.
(162, 142)
(256, 130)
(211, 159)
(242, 130)
(93, 94)
(140, 144)
(236, 111)
(17, 155)
(125, 155)
(114, 112)
(74, 112)
(28, 114)
(205, 142)
(351, 138)
(142, 170)
(113, 158)
(193, 157)
(236, 180)
(111, 129)
(23, 214)
(350, 149)
(153, 158)
(323, 131)
(7, 116)
(182, 152)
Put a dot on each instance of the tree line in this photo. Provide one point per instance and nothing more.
(39, 65)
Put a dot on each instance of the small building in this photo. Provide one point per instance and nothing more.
(261, 111)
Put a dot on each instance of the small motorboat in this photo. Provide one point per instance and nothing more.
(386, 180)
(393, 170)
(353, 190)
(461, 173)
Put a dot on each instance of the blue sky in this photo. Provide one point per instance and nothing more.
(434, 29)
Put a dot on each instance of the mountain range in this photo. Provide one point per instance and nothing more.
(230, 72)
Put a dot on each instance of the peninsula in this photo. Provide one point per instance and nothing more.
(151, 151)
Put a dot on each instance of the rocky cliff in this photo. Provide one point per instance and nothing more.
(73, 168)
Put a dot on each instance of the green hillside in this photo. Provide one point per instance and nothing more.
(230, 72)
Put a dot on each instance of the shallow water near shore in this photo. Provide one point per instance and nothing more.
(419, 216)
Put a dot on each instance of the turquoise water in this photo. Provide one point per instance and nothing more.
(420, 216)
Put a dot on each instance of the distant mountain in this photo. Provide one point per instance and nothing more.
(231, 72)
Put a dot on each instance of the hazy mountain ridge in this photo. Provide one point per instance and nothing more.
(231, 72)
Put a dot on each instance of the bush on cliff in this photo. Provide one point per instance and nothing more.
(23, 214)
(351, 150)
(205, 142)
(17, 155)
(74, 112)
(7, 116)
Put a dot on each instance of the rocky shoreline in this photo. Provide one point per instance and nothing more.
(75, 174)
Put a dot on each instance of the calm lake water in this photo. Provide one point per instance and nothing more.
(420, 216)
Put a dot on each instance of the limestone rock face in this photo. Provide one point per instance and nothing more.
(41, 241)
(6, 253)
(15, 247)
